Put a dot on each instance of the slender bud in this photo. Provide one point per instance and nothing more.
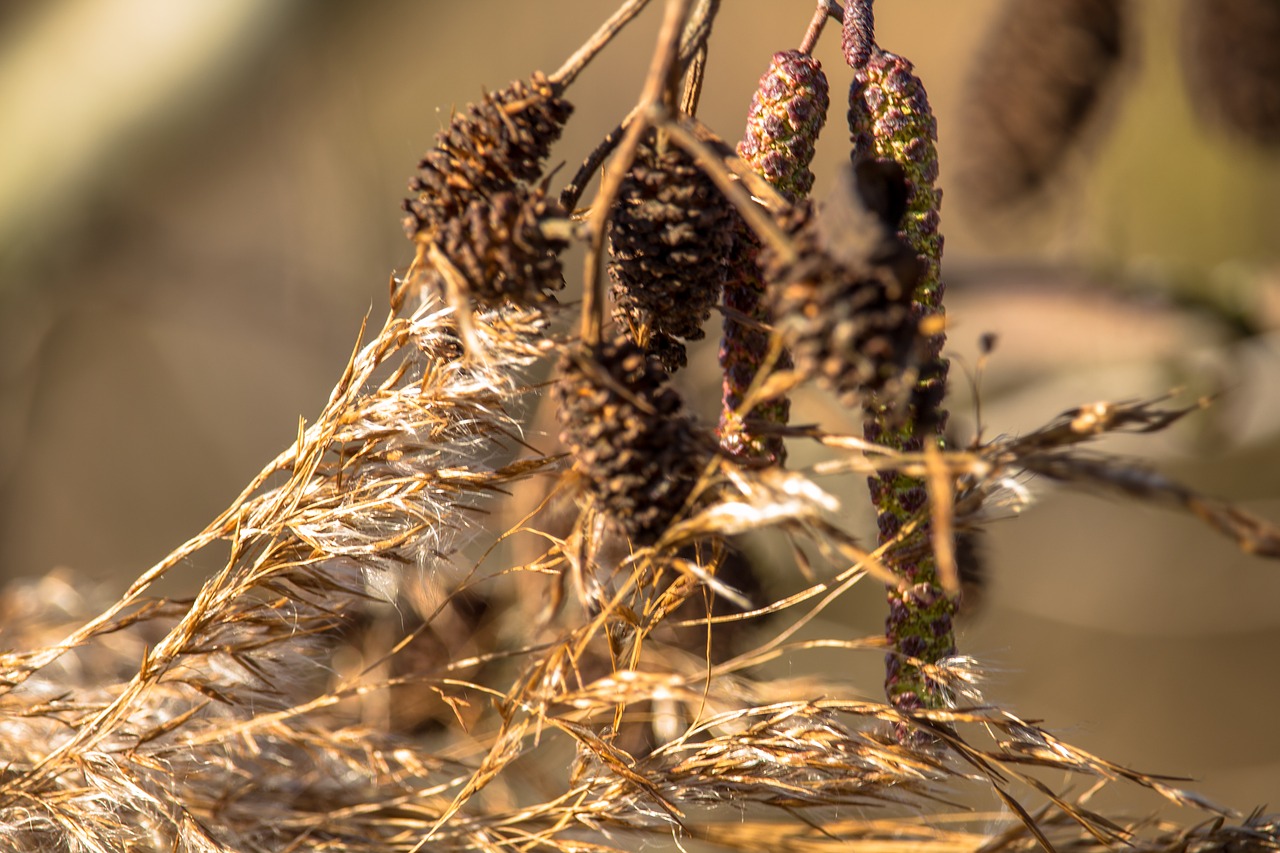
(858, 32)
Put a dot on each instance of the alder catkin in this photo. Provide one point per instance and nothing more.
(1232, 65)
(787, 112)
(1038, 80)
(890, 120)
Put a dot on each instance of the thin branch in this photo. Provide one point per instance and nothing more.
(656, 86)
(574, 65)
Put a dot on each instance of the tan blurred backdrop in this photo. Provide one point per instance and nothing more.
(199, 203)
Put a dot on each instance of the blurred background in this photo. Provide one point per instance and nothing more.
(199, 202)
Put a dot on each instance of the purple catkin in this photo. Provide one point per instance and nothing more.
(890, 119)
(787, 112)
(858, 33)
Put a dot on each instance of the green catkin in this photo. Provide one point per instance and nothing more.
(890, 119)
(786, 115)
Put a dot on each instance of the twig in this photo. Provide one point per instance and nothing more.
(574, 65)
(656, 86)
(826, 9)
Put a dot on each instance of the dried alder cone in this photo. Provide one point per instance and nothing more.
(1232, 64)
(670, 240)
(844, 302)
(786, 115)
(1038, 81)
(478, 201)
(628, 436)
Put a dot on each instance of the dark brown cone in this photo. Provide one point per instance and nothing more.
(493, 146)
(852, 328)
(1232, 64)
(845, 302)
(501, 251)
(1038, 81)
(670, 240)
(628, 436)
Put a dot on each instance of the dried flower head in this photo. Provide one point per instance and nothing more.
(843, 299)
(849, 327)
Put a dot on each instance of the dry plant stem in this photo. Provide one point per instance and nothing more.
(572, 192)
(890, 118)
(656, 87)
(692, 54)
(817, 24)
(574, 65)
(695, 39)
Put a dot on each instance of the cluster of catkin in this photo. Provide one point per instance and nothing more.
(847, 294)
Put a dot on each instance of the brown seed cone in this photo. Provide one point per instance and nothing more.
(628, 436)
(493, 146)
(1038, 81)
(670, 240)
(852, 328)
(501, 251)
(1232, 64)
